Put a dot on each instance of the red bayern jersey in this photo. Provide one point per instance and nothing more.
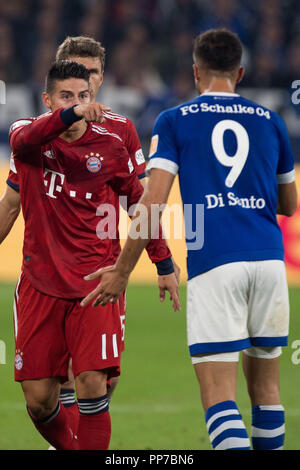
(64, 190)
(114, 123)
(126, 130)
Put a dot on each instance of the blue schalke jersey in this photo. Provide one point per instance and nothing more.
(230, 154)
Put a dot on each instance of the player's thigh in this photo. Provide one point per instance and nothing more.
(269, 305)
(217, 310)
(41, 349)
(94, 338)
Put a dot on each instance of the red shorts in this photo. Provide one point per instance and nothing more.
(50, 330)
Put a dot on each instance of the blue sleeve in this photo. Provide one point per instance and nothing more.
(163, 150)
(285, 167)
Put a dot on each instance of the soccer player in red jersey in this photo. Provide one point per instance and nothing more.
(66, 164)
(90, 53)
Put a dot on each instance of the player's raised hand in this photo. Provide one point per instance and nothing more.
(112, 285)
(92, 112)
(169, 283)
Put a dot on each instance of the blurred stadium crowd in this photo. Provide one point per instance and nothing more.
(148, 44)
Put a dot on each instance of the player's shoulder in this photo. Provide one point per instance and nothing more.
(117, 123)
(273, 115)
(173, 112)
(20, 123)
(169, 115)
(115, 120)
(26, 121)
(102, 130)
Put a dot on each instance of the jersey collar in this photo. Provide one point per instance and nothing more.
(218, 93)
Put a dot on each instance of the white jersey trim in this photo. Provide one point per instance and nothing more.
(103, 131)
(218, 93)
(114, 116)
(162, 164)
(285, 178)
(12, 165)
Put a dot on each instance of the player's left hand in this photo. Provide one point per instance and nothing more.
(112, 285)
(169, 283)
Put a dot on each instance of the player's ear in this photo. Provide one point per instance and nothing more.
(196, 72)
(46, 100)
(240, 75)
(197, 76)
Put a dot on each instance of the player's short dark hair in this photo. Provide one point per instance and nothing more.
(218, 49)
(64, 69)
(81, 46)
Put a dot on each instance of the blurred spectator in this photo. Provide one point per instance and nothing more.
(149, 46)
(92, 23)
(293, 61)
(182, 89)
(232, 14)
(10, 70)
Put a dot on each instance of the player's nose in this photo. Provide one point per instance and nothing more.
(76, 100)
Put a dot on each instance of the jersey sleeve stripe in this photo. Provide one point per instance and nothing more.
(141, 176)
(162, 164)
(285, 178)
(13, 185)
(12, 165)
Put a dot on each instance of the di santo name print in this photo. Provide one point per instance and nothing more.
(230, 199)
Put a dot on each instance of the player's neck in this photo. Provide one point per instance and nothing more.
(74, 132)
(217, 85)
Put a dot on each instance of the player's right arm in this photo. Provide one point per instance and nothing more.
(287, 199)
(9, 210)
(287, 190)
(27, 134)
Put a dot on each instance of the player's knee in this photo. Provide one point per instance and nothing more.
(90, 384)
(40, 406)
(41, 397)
(264, 393)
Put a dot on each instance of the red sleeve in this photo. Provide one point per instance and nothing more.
(24, 135)
(13, 180)
(134, 149)
(126, 183)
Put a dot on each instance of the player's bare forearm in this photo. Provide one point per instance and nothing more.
(9, 211)
(114, 279)
(287, 199)
(134, 246)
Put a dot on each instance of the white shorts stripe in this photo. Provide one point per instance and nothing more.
(104, 356)
(115, 346)
(16, 300)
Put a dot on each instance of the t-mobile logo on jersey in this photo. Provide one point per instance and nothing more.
(54, 184)
(51, 185)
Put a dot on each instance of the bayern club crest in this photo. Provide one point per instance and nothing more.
(93, 162)
(18, 361)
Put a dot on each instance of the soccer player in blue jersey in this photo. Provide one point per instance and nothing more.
(234, 159)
